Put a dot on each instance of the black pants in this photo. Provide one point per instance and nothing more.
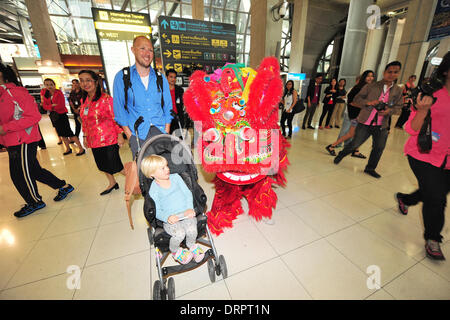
(154, 131)
(309, 114)
(285, 116)
(362, 133)
(41, 142)
(77, 125)
(434, 185)
(404, 116)
(25, 170)
(327, 111)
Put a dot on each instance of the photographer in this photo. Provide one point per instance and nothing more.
(432, 168)
(378, 101)
(406, 110)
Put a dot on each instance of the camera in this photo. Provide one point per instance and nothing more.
(381, 106)
(427, 88)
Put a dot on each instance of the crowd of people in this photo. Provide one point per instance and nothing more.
(141, 92)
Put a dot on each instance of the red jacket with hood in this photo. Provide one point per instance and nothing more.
(19, 116)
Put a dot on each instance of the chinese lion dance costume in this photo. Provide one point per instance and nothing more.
(236, 112)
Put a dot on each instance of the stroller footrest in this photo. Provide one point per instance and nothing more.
(169, 271)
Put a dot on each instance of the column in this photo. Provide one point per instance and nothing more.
(298, 35)
(374, 48)
(258, 13)
(43, 30)
(397, 39)
(273, 30)
(198, 10)
(414, 44)
(355, 40)
(387, 47)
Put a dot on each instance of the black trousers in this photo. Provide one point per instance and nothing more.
(309, 114)
(362, 133)
(434, 185)
(77, 125)
(25, 170)
(285, 116)
(326, 111)
(41, 142)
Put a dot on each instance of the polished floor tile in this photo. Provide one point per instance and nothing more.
(419, 283)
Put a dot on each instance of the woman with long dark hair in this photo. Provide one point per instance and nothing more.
(432, 168)
(290, 98)
(55, 103)
(19, 132)
(101, 133)
(329, 101)
(353, 111)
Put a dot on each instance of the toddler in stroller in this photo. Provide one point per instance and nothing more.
(174, 207)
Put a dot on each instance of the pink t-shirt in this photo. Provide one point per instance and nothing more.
(385, 98)
(440, 119)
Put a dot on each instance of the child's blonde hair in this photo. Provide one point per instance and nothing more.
(152, 163)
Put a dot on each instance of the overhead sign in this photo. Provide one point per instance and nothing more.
(435, 61)
(296, 76)
(188, 45)
(116, 31)
(440, 27)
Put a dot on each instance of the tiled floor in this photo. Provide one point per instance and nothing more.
(332, 225)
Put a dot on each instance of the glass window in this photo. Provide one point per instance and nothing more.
(240, 43)
(57, 7)
(63, 28)
(80, 8)
(105, 4)
(232, 4)
(245, 6)
(218, 3)
(85, 30)
(216, 15)
(207, 12)
(247, 43)
(229, 17)
(138, 5)
(186, 11)
(241, 22)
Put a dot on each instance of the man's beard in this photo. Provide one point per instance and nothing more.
(142, 63)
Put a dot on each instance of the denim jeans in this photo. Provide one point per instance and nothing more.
(362, 133)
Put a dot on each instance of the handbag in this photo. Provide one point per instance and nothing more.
(298, 107)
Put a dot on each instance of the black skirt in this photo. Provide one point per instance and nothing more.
(108, 159)
(62, 126)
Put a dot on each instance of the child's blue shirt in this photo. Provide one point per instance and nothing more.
(173, 201)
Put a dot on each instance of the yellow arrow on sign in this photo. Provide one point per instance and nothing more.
(167, 53)
(168, 41)
(164, 35)
(168, 66)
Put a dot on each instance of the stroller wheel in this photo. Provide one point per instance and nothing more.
(171, 289)
(211, 270)
(223, 267)
(157, 290)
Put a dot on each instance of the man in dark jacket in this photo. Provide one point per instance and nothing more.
(312, 99)
(177, 100)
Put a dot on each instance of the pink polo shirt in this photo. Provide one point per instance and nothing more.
(383, 97)
(440, 120)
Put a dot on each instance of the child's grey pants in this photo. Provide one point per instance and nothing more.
(183, 229)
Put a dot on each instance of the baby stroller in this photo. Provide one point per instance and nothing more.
(166, 145)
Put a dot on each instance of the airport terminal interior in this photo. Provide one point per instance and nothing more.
(336, 233)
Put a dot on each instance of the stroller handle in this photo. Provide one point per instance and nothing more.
(138, 122)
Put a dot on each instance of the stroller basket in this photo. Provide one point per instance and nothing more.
(180, 161)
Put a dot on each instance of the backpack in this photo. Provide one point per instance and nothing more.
(126, 77)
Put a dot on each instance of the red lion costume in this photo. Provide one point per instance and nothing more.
(236, 111)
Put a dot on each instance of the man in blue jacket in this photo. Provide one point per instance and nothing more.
(144, 97)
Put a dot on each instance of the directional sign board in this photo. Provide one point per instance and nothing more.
(115, 33)
(195, 44)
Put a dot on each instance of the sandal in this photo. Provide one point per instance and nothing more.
(359, 155)
(330, 149)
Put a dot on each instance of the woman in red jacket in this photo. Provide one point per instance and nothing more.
(101, 132)
(55, 103)
(19, 118)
